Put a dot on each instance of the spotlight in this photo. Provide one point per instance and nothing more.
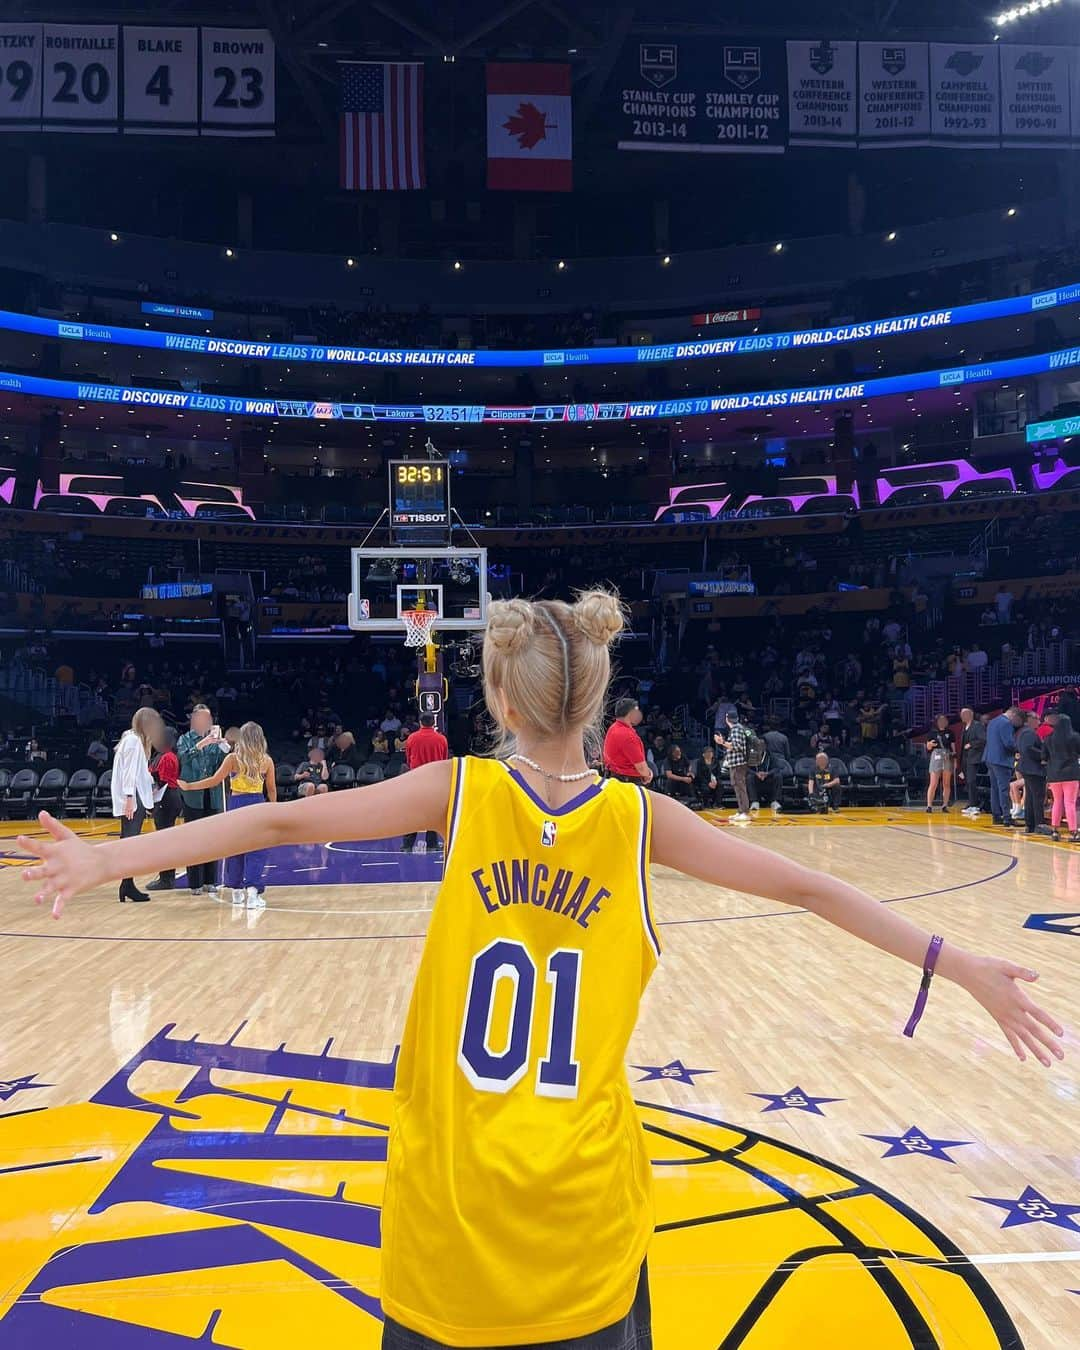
(457, 265)
(560, 266)
(229, 253)
(114, 237)
(890, 238)
(350, 262)
(665, 261)
(1011, 212)
(1022, 11)
(778, 248)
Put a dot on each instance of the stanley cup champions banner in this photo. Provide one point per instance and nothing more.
(709, 96)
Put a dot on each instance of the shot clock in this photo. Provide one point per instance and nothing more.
(419, 497)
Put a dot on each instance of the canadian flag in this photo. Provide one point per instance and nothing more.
(530, 132)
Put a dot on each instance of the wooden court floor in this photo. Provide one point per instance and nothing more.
(194, 1099)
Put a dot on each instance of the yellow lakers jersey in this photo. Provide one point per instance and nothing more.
(518, 1200)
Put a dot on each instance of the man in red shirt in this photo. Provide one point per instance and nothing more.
(425, 746)
(624, 755)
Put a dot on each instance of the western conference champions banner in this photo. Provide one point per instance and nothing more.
(172, 81)
(708, 95)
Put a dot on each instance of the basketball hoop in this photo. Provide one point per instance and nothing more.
(418, 626)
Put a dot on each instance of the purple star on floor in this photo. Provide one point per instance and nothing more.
(1035, 1208)
(913, 1140)
(9, 1086)
(675, 1072)
(795, 1099)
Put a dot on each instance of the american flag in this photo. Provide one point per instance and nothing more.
(382, 125)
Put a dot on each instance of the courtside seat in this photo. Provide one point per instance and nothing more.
(285, 776)
(790, 792)
(342, 776)
(50, 791)
(804, 769)
(20, 794)
(369, 773)
(866, 788)
(394, 765)
(891, 782)
(5, 783)
(839, 769)
(103, 795)
(79, 797)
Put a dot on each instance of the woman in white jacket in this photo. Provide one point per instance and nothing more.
(132, 786)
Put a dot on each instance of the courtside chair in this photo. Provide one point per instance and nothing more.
(79, 797)
(285, 777)
(866, 789)
(342, 776)
(891, 781)
(50, 791)
(20, 794)
(103, 795)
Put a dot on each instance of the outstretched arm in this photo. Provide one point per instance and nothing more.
(683, 841)
(69, 865)
(226, 767)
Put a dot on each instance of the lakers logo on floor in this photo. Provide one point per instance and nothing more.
(218, 1194)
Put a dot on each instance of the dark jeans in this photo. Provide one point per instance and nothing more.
(129, 829)
(709, 797)
(967, 784)
(823, 801)
(1034, 802)
(765, 789)
(166, 813)
(739, 775)
(633, 1332)
(1000, 803)
(202, 874)
(409, 840)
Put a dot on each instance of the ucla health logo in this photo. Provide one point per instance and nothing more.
(1044, 300)
(952, 377)
(70, 330)
(554, 358)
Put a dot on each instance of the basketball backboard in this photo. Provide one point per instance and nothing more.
(386, 581)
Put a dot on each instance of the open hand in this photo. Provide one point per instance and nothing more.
(998, 986)
(68, 864)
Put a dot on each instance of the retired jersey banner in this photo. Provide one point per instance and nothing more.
(703, 97)
(894, 94)
(161, 81)
(81, 77)
(1035, 92)
(530, 134)
(237, 82)
(20, 76)
(822, 92)
(965, 95)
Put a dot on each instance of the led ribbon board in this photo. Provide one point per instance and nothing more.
(248, 350)
(461, 413)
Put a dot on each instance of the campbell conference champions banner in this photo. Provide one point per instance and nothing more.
(752, 97)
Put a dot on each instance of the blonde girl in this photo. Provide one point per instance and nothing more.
(251, 771)
(518, 1202)
(133, 790)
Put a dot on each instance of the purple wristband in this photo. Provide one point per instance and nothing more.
(929, 962)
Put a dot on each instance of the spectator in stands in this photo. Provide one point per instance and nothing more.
(777, 744)
(390, 723)
(426, 745)
(1000, 758)
(201, 751)
(706, 784)
(764, 783)
(823, 739)
(380, 747)
(1003, 603)
(132, 786)
(346, 751)
(1063, 772)
(976, 659)
(313, 776)
(656, 754)
(735, 762)
(678, 778)
(1031, 759)
(624, 754)
(823, 787)
(939, 745)
(870, 714)
(97, 753)
(972, 750)
(165, 767)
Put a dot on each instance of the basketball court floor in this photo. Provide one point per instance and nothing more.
(194, 1104)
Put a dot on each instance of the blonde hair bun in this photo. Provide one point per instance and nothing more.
(599, 615)
(510, 624)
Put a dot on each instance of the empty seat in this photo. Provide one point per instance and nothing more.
(342, 776)
(79, 798)
(369, 773)
(20, 794)
(285, 777)
(891, 781)
(864, 780)
(50, 790)
(103, 795)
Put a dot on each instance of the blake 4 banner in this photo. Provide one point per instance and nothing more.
(703, 97)
(530, 134)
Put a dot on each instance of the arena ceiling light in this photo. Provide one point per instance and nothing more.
(1008, 16)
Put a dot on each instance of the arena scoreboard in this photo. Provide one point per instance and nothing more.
(419, 496)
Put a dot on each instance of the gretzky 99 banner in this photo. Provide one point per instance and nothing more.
(754, 97)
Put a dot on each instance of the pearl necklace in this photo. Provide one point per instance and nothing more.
(554, 777)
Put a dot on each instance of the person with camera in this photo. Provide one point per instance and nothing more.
(201, 751)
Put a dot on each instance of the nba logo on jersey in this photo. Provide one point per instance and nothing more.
(547, 834)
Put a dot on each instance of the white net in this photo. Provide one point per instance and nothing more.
(418, 626)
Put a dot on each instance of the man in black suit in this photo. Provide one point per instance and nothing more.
(972, 750)
(1031, 763)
